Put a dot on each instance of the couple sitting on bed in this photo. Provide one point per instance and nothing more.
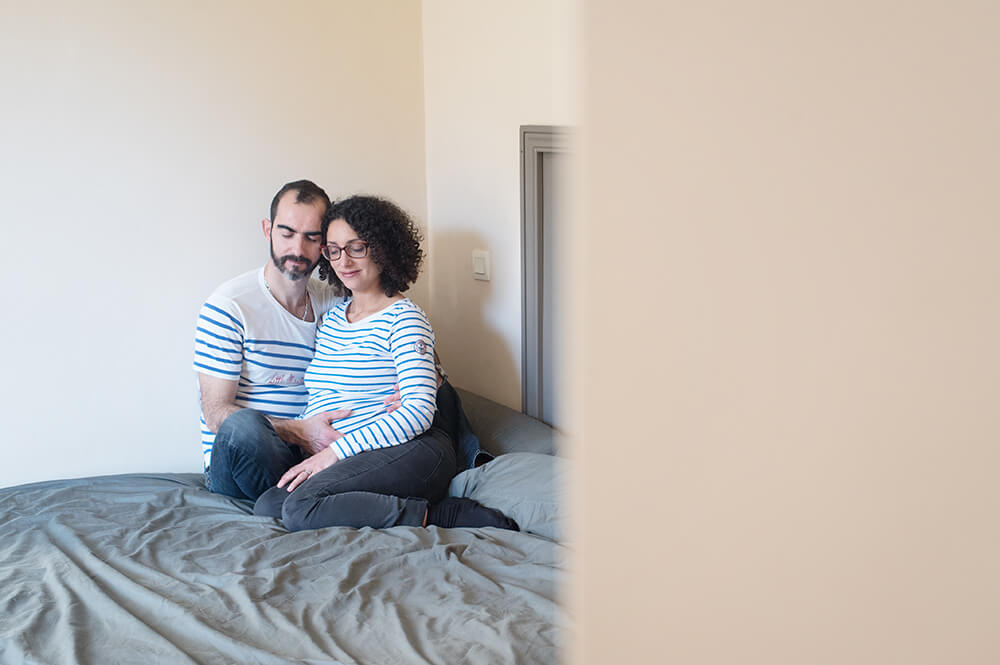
(322, 401)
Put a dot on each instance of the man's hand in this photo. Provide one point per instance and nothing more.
(440, 376)
(313, 434)
(393, 401)
(302, 471)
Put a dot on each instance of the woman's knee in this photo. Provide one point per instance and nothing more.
(270, 503)
(295, 510)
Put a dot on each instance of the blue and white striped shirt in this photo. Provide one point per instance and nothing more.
(243, 334)
(356, 366)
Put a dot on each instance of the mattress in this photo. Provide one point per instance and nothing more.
(152, 568)
(155, 569)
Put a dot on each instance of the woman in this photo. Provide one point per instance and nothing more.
(389, 469)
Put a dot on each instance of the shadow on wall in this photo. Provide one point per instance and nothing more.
(477, 323)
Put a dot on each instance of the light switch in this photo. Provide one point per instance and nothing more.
(481, 265)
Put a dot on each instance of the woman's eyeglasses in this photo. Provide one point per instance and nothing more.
(356, 249)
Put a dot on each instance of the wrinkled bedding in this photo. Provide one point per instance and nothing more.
(155, 569)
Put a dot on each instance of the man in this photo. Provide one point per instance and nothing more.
(254, 339)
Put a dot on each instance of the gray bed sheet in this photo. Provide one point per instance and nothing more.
(155, 569)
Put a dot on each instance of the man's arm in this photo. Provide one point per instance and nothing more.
(313, 434)
(218, 399)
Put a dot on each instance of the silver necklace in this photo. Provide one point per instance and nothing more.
(305, 309)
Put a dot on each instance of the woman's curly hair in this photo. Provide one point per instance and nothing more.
(392, 237)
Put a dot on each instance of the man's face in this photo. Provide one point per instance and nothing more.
(295, 236)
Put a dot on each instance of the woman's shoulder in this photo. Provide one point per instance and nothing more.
(406, 310)
(406, 305)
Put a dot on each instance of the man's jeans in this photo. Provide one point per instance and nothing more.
(248, 457)
(378, 488)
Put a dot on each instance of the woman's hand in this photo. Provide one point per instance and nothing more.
(302, 471)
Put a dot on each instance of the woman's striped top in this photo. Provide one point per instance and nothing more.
(357, 365)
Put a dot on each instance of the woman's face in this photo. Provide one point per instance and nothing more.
(359, 275)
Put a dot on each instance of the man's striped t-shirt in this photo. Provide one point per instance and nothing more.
(356, 367)
(243, 334)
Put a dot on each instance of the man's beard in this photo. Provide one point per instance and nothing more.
(292, 273)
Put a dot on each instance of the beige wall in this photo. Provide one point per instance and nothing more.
(488, 69)
(790, 384)
(141, 144)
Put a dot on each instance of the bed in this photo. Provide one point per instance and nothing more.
(152, 568)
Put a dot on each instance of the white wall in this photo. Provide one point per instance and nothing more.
(141, 145)
(489, 67)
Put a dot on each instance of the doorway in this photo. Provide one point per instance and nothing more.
(544, 170)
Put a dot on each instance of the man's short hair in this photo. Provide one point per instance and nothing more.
(306, 192)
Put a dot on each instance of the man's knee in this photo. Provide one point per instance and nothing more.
(248, 457)
(247, 436)
(244, 429)
(244, 419)
(244, 437)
